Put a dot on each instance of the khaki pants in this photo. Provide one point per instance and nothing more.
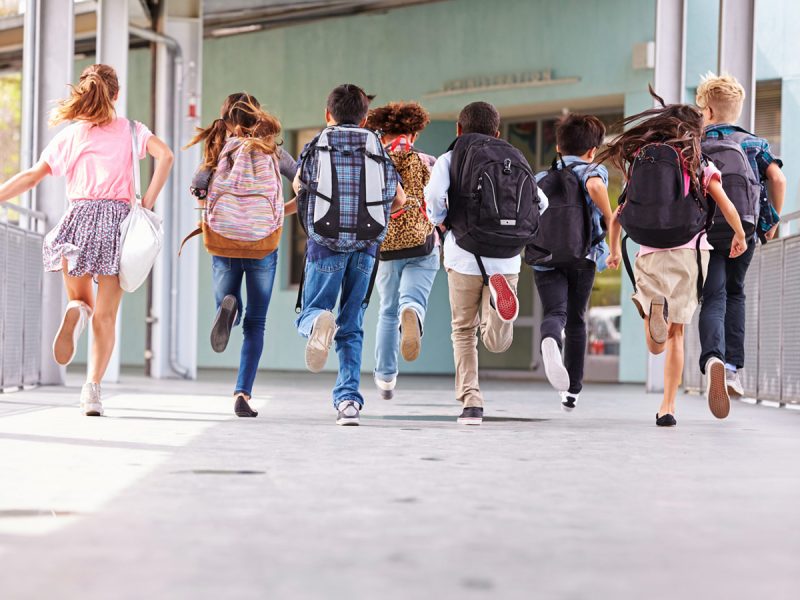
(469, 305)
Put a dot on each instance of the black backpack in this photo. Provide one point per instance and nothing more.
(493, 203)
(739, 182)
(655, 209)
(565, 228)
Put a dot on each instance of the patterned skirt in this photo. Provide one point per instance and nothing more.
(87, 237)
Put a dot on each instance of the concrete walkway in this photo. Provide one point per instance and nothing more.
(171, 497)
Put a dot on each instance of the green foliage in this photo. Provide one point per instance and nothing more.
(10, 123)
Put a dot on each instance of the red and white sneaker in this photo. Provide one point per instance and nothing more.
(503, 299)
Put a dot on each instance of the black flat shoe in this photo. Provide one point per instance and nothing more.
(242, 408)
(666, 420)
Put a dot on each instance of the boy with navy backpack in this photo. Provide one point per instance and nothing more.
(752, 178)
(573, 232)
(483, 190)
(346, 187)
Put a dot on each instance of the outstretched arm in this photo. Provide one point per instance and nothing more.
(598, 192)
(728, 211)
(24, 181)
(776, 191)
(164, 159)
(614, 241)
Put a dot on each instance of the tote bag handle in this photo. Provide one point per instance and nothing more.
(137, 184)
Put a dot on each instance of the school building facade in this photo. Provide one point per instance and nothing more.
(533, 60)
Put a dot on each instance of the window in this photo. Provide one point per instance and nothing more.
(768, 113)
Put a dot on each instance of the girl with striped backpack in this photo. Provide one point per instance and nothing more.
(241, 195)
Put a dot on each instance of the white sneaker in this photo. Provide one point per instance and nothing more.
(319, 342)
(717, 388)
(568, 401)
(735, 387)
(76, 316)
(349, 412)
(91, 404)
(554, 367)
(386, 387)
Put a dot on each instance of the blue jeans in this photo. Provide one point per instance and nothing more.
(402, 283)
(722, 313)
(259, 275)
(344, 277)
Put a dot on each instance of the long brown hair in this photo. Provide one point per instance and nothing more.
(679, 125)
(241, 115)
(92, 100)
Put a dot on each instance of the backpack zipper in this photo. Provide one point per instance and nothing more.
(494, 194)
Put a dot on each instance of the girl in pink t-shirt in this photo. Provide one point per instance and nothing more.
(94, 154)
(666, 278)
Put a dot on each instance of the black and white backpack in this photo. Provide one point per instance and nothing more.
(565, 228)
(493, 203)
(739, 182)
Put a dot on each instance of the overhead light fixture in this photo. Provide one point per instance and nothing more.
(226, 31)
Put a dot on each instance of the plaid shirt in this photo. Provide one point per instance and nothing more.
(348, 173)
(756, 148)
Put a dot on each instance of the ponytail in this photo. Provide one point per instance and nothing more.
(92, 99)
(241, 115)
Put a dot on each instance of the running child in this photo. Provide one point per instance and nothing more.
(483, 190)
(664, 208)
(409, 254)
(239, 185)
(94, 153)
(346, 186)
(752, 178)
(573, 232)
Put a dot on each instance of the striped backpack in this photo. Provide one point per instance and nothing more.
(243, 216)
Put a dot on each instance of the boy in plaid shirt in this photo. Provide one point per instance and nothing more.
(722, 315)
(345, 277)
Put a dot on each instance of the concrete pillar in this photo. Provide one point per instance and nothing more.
(112, 49)
(737, 51)
(47, 70)
(175, 280)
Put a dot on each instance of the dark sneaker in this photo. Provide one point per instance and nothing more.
(659, 320)
(223, 323)
(502, 298)
(410, 334)
(735, 387)
(666, 420)
(242, 407)
(719, 402)
(349, 412)
(471, 415)
(568, 401)
(319, 342)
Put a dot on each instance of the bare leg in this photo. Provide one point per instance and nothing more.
(673, 368)
(104, 321)
(78, 288)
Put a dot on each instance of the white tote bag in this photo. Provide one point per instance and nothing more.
(141, 234)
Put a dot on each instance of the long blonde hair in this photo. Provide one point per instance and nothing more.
(241, 115)
(92, 100)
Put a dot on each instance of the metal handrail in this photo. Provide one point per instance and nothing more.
(33, 214)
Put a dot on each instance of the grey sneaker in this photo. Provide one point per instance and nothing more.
(349, 412)
(91, 404)
(735, 387)
(410, 334)
(386, 387)
(223, 323)
(319, 342)
(554, 367)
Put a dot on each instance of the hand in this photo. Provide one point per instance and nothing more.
(738, 246)
(772, 233)
(613, 260)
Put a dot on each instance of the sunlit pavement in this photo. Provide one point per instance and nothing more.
(171, 496)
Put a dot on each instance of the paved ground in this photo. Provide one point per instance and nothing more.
(171, 497)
